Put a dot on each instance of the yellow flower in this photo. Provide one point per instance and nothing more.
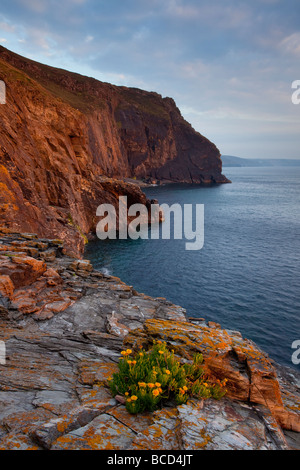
(142, 384)
(126, 393)
(123, 353)
(128, 400)
(168, 372)
(157, 384)
(185, 388)
(133, 362)
(134, 398)
(129, 362)
(109, 378)
(150, 385)
(128, 351)
(141, 354)
(161, 352)
(205, 384)
(155, 392)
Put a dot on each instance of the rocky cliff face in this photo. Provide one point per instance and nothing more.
(61, 133)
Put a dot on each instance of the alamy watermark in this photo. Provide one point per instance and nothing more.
(296, 94)
(2, 353)
(2, 92)
(154, 222)
(296, 354)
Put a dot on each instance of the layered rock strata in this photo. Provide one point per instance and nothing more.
(64, 325)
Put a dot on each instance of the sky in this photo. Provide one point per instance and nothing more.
(228, 64)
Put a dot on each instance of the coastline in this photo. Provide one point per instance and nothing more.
(64, 325)
(153, 182)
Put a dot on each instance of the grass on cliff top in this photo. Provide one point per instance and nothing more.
(147, 102)
(149, 378)
(50, 80)
(81, 92)
(77, 100)
(10, 73)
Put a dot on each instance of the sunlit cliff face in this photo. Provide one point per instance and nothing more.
(61, 133)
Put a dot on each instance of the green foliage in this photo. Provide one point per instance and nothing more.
(150, 104)
(148, 378)
(71, 222)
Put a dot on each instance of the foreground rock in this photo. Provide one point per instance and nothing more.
(250, 373)
(64, 326)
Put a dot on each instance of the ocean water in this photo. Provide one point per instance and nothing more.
(247, 275)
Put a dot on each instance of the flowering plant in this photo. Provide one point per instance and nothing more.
(149, 377)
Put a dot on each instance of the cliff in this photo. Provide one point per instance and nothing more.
(61, 133)
(64, 326)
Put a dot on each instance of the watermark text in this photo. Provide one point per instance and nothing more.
(296, 94)
(155, 222)
(2, 92)
(296, 354)
(2, 353)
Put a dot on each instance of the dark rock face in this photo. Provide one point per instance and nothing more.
(61, 133)
(160, 144)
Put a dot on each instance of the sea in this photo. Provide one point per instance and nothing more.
(246, 276)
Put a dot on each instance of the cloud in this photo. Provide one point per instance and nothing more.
(177, 9)
(7, 27)
(141, 34)
(194, 69)
(37, 6)
(215, 13)
(228, 64)
(223, 113)
(291, 44)
(89, 38)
